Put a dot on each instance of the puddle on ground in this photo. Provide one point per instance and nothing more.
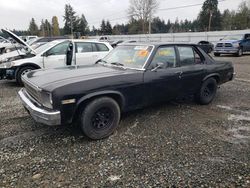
(239, 132)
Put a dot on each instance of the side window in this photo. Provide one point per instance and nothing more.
(60, 49)
(247, 36)
(198, 58)
(102, 47)
(83, 47)
(164, 55)
(187, 56)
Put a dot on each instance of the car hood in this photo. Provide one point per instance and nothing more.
(48, 79)
(17, 39)
(14, 54)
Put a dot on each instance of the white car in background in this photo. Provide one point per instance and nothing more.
(4, 43)
(58, 53)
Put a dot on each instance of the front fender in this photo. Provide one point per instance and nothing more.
(70, 112)
(216, 75)
(103, 93)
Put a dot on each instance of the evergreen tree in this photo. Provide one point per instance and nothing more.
(103, 27)
(158, 26)
(42, 29)
(108, 28)
(33, 28)
(83, 25)
(210, 16)
(55, 26)
(47, 28)
(70, 19)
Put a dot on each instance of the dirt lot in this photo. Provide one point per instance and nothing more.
(175, 144)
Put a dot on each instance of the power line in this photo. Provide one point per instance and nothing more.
(163, 9)
(186, 6)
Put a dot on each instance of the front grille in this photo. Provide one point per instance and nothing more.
(32, 92)
(219, 45)
(228, 45)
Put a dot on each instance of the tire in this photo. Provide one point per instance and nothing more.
(216, 54)
(207, 92)
(21, 72)
(240, 52)
(100, 118)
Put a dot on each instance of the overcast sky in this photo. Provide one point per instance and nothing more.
(16, 14)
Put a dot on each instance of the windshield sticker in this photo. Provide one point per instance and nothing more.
(141, 48)
(142, 53)
(129, 61)
(166, 52)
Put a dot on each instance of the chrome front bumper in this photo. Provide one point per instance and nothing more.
(38, 114)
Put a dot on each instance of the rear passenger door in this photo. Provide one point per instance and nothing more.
(84, 53)
(192, 66)
(102, 51)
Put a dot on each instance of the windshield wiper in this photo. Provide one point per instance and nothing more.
(118, 64)
(101, 61)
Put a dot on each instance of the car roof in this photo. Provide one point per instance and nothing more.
(157, 44)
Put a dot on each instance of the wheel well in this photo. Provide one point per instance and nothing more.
(29, 65)
(84, 103)
(217, 78)
(26, 65)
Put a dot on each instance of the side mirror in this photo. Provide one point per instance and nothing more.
(159, 65)
(221, 39)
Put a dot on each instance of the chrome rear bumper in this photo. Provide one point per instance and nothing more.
(38, 114)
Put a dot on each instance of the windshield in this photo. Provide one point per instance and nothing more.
(41, 48)
(233, 37)
(129, 56)
(46, 46)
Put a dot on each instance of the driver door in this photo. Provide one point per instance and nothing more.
(56, 56)
(162, 84)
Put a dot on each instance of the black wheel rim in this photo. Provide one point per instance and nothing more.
(208, 91)
(102, 119)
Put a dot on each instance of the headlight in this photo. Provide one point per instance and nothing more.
(7, 65)
(236, 45)
(46, 99)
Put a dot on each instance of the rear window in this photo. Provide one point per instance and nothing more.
(186, 55)
(83, 47)
(102, 47)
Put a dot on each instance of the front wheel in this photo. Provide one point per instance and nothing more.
(21, 72)
(207, 92)
(240, 53)
(100, 118)
(216, 54)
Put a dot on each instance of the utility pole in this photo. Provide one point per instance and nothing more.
(149, 22)
(210, 20)
(71, 25)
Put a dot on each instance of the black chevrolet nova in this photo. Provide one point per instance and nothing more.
(132, 76)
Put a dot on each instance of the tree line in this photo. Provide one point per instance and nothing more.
(142, 21)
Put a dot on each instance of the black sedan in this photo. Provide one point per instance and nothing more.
(132, 76)
(208, 47)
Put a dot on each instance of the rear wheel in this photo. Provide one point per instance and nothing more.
(21, 72)
(207, 92)
(100, 118)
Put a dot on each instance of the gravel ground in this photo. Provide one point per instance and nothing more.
(176, 144)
